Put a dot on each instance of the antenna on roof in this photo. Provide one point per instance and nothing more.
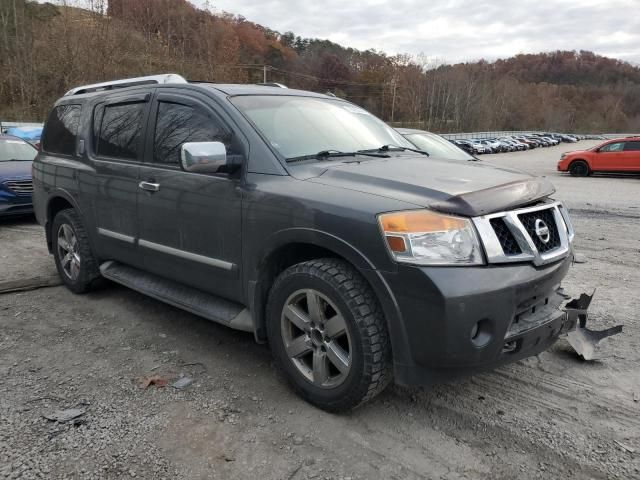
(272, 84)
(128, 82)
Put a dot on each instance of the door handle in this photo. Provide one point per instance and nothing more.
(149, 187)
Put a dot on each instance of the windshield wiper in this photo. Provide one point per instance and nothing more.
(389, 148)
(323, 154)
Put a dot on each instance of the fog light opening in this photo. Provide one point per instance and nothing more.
(475, 330)
(481, 333)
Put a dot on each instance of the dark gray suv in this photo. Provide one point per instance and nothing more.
(304, 219)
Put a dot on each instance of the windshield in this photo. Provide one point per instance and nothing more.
(15, 149)
(437, 146)
(299, 126)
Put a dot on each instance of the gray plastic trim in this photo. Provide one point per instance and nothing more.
(116, 235)
(214, 262)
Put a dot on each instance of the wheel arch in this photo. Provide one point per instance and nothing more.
(298, 245)
(579, 159)
(58, 200)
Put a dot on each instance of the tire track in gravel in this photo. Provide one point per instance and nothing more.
(531, 389)
(604, 213)
(510, 447)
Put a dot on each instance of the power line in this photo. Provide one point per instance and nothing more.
(326, 80)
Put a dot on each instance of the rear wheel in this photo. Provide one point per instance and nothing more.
(579, 168)
(72, 252)
(328, 334)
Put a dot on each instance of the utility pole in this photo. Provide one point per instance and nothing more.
(393, 100)
(264, 74)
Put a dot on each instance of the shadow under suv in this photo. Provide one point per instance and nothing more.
(307, 221)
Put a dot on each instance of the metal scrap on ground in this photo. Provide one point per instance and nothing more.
(63, 416)
(584, 340)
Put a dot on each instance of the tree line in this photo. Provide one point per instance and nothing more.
(46, 49)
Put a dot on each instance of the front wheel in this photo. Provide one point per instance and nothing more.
(328, 334)
(579, 168)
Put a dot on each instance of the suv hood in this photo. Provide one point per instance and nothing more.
(20, 168)
(572, 152)
(453, 186)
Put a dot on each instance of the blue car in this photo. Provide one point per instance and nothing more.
(28, 134)
(16, 185)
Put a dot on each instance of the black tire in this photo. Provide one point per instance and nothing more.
(370, 352)
(88, 274)
(579, 168)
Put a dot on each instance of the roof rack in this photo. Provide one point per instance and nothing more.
(128, 82)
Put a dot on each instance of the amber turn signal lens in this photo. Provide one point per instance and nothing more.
(417, 222)
(396, 244)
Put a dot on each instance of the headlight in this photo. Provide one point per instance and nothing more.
(423, 237)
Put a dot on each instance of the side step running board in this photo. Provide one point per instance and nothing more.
(187, 298)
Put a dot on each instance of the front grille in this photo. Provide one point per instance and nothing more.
(529, 221)
(505, 237)
(511, 236)
(20, 187)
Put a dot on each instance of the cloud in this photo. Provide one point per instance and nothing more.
(454, 30)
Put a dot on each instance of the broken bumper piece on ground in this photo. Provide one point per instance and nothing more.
(583, 340)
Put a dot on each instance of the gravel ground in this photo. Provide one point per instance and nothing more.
(550, 416)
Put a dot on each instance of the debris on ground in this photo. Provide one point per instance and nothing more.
(584, 340)
(156, 380)
(182, 383)
(579, 258)
(63, 416)
(625, 447)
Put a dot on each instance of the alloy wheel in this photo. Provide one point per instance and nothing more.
(579, 169)
(68, 251)
(316, 338)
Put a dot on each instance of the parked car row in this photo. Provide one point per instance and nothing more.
(621, 155)
(514, 143)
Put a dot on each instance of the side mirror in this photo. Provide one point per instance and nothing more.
(203, 157)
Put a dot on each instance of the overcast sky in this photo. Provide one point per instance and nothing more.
(455, 30)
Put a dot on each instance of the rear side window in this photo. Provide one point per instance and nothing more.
(120, 129)
(178, 124)
(632, 147)
(62, 130)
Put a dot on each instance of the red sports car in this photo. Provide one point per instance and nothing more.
(619, 155)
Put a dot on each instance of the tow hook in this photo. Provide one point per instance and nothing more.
(583, 340)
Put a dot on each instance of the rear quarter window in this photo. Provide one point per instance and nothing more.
(632, 146)
(61, 130)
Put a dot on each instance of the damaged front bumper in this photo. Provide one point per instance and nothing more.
(458, 322)
(526, 334)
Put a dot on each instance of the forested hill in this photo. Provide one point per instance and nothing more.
(47, 49)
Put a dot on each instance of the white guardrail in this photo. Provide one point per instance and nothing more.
(494, 134)
(4, 126)
(506, 133)
(449, 136)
